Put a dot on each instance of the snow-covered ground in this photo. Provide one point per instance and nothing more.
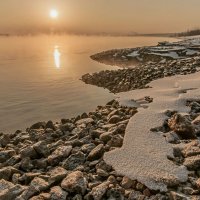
(143, 155)
(176, 50)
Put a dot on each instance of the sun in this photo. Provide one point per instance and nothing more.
(53, 13)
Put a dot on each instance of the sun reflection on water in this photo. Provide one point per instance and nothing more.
(57, 55)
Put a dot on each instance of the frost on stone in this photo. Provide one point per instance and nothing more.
(143, 155)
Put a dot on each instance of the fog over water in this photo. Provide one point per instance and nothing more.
(40, 76)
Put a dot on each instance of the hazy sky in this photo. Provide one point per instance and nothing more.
(144, 16)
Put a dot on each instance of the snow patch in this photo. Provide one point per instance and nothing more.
(143, 156)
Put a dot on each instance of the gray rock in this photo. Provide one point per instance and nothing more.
(114, 194)
(96, 133)
(57, 193)
(5, 155)
(26, 164)
(50, 125)
(116, 141)
(74, 161)
(28, 177)
(192, 162)
(86, 148)
(172, 137)
(102, 173)
(59, 154)
(5, 185)
(136, 195)
(96, 153)
(77, 197)
(98, 192)
(41, 148)
(114, 119)
(85, 121)
(182, 126)
(191, 149)
(178, 196)
(75, 182)
(12, 192)
(57, 174)
(7, 172)
(4, 140)
(126, 182)
(38, 125)
(105, 137)
(29, 152)
(67, 127)
(37, 185)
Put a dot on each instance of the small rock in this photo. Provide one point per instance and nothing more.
(5, 155)
(75, 182)
(85, 121)
(37, 185)
(177, 196)
(136, 195)
(105, 137)
(38, 125)
(114, 119)
(86, 148)
(192, 162)
(182, 126)
(57, 174)
(74, 161)
(126, 182)
(50, 125)
(67, 127)
(59, 154)
(57, 193)
(41, 148)
(98, 192)
(114, 194)
(12, 192)
(28, 152)
(102, 173)
(96, 153)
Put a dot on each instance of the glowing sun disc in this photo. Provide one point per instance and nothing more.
(53, 13)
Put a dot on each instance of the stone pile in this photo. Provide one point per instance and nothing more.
(123, 80)
(58, 161)
(184, 131)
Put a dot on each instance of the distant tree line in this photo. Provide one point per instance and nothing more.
(192, 32)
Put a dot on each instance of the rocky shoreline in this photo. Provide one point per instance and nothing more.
(65, 160)
(58, 161)
(183, 131)
(150, 63)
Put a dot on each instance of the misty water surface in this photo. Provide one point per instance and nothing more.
(39, 76)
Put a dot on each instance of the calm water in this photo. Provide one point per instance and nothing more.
(39, 76)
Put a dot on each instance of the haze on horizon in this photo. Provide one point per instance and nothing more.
(98, 16)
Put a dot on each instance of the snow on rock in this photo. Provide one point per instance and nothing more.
(173, 55)
(143, 155)
(133, 54)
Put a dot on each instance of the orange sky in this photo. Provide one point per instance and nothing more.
(122, 16)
